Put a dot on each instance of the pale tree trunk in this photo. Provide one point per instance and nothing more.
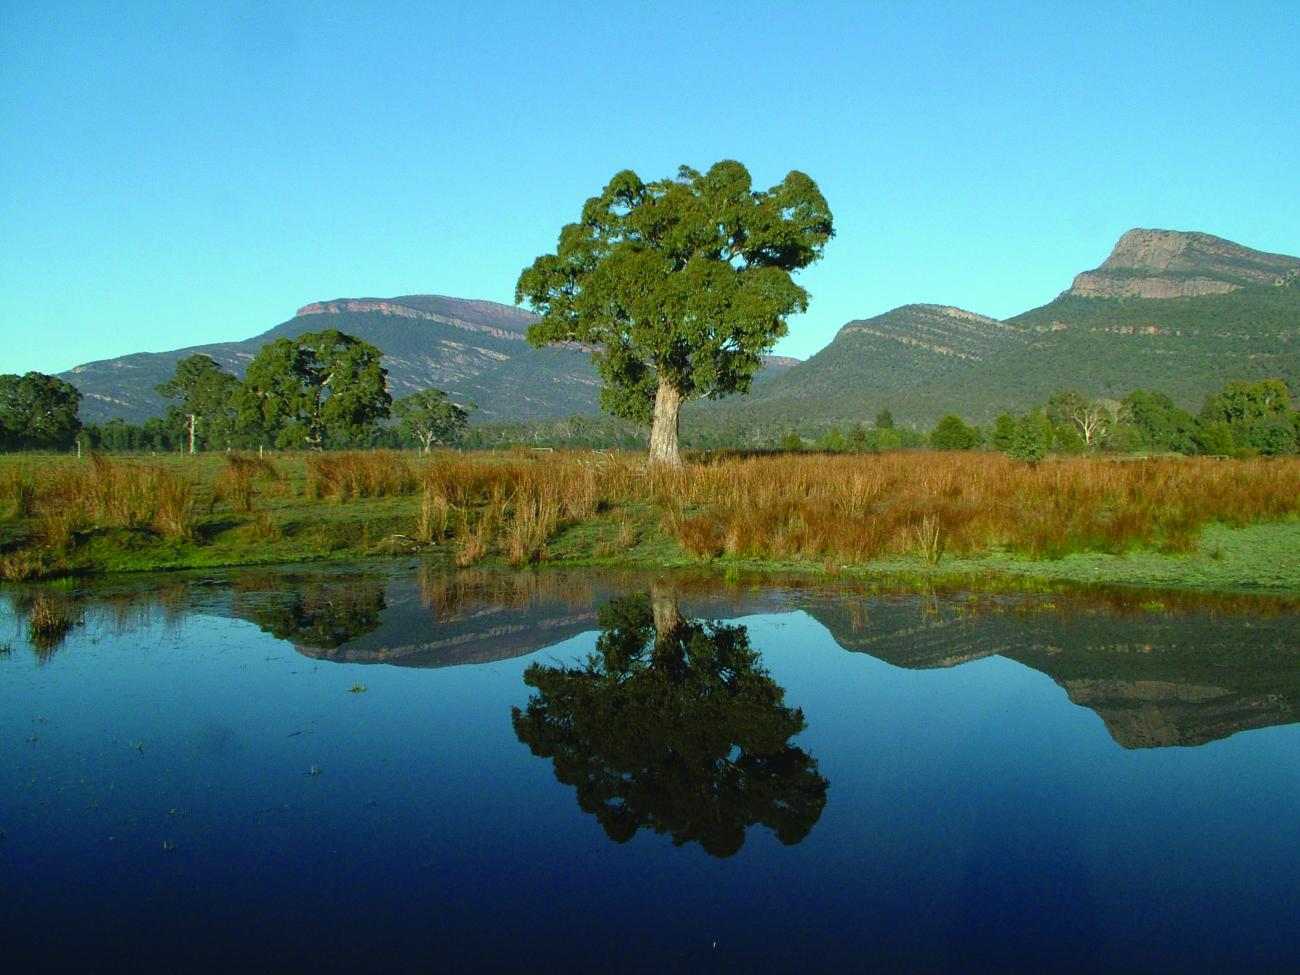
(193, 421)
(663, 431)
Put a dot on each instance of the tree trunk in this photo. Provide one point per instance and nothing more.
(667, 617)
(663, 432)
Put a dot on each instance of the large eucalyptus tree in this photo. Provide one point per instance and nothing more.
(680, 285)
(318, 390)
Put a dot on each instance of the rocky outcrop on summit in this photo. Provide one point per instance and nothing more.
(1173, 264)
(501, 321)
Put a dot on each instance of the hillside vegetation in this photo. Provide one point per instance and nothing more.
(922, 361)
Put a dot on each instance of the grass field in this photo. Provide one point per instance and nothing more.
(1176, 522)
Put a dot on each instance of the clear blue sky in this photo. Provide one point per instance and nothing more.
(179, 173)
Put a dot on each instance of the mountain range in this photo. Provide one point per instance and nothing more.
(1167, 310)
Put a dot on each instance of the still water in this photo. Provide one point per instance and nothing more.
(309, 769)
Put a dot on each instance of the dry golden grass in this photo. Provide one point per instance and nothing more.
(18, 490)
(831, 510)
(234, 484)
(857, 508)
(358, 474)
(851, 509)
(104, 493)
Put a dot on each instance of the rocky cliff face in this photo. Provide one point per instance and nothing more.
(1172, 264)
(382, 306)
(938, 329)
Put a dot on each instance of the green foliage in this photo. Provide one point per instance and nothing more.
(1004, 432)
(682, 283)
(859, 438)
(321, 389)
(1215, 439)
(1272, 435)
(791, 441)
(950, 433)
(1033, 437)
(673, 725)
(37, 412)
(884, 420)
(428, 418)
(155, 435)
(208, 393)
(1258, 415)
(832, 441)
(1159, 423)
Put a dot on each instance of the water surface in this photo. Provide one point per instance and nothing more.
(327, 769)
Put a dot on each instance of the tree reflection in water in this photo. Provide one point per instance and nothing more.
(318, 615)
(673, 725)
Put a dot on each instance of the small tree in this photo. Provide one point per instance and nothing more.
(1090, 418)
(429, 418)
(859, 438)
(207, 394)
(680, 285)
(884, 420)
(1004, 432)
(319, 389)
(950, 433)
(1033, 437)
(1161, 424)
(1215, 439)
(832, 441)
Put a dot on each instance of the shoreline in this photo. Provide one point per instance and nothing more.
(1236, 572)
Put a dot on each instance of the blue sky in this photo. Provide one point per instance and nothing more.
(174, 174)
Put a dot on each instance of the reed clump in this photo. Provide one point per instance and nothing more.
(514, 505)
(22, 564)
(108, 494)
(47, 623)
(358, 474)
(18, 491)
(235, 482)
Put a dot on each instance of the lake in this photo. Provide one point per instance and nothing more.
(327, 769)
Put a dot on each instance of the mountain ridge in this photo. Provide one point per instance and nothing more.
(1160, 264)
(1172, 310)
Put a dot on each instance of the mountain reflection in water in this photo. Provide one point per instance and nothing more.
(1180, 669)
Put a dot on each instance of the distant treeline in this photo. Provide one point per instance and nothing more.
(326, 390)
(1243, 419)
(320, 390)
(1240, 420)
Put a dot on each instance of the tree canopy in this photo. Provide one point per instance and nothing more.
(318, 390)
(428, 418)
(37, 411)
(208, 399)
(674, 726)
(681, 285)
(950, 433)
